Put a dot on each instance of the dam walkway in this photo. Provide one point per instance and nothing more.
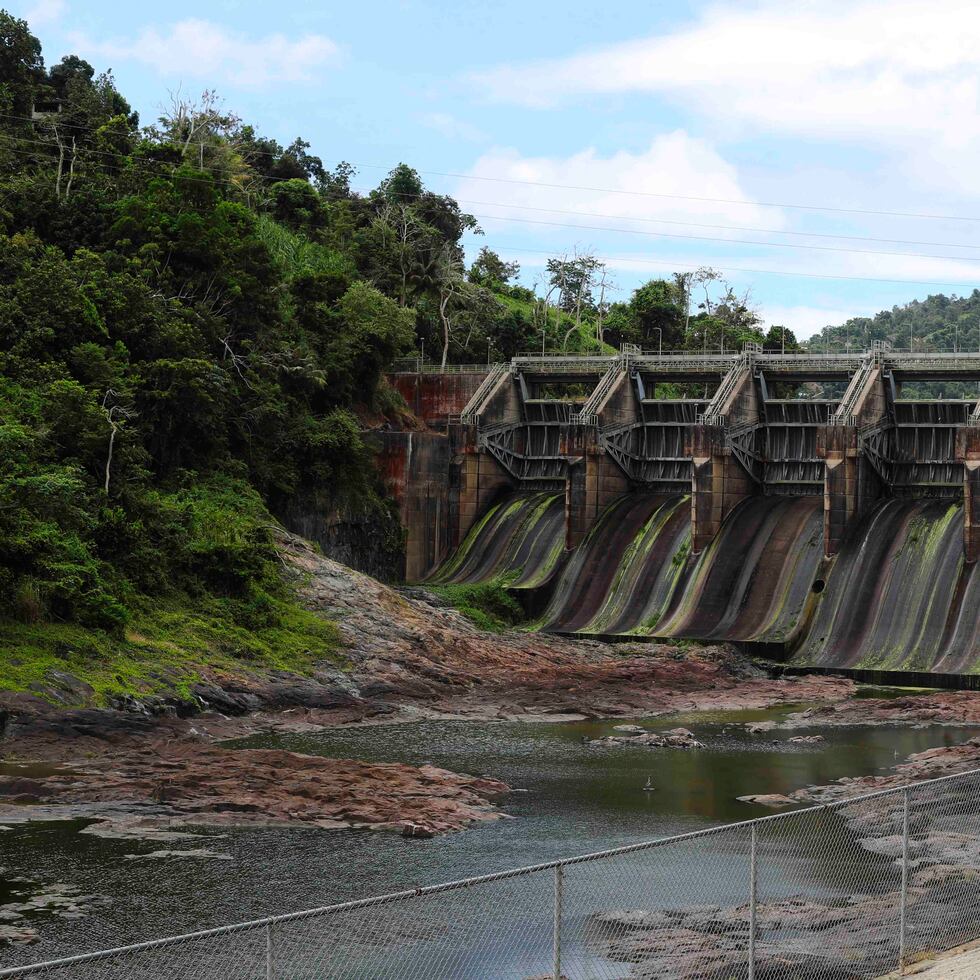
(851, 889)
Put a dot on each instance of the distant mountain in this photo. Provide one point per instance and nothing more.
(936, 323)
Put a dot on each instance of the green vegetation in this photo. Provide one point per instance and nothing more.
(488, 604)
(165, 650)
(936, 323)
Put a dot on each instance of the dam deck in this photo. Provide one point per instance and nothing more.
(851, 428)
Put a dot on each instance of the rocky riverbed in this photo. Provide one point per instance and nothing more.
(409, 656)
(151, 769)
(854, 934)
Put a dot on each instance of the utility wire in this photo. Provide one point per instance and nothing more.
(701, 224)
(727, 241)
(624, 191)
(683, 197)
(651, 234)
(889, 241)
(518, 250)
(628, 259)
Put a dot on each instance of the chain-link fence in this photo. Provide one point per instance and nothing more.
(852, 889)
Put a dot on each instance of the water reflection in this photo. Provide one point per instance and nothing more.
(579, 798)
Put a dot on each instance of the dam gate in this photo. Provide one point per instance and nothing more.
(848, 428)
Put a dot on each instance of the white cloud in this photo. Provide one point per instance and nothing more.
(453, 128)
(893, 71)
(805, 321)
(45, 12)
(200, 48)
(673, 164)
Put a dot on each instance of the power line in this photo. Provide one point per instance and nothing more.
(659, 234)
(265, 178)
(700, 224)
(684, 197)
(623, 191)
(518, 250)
(139, 163)
(727, 241)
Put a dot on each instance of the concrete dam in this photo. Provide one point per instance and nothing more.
(821, 508)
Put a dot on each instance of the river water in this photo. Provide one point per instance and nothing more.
(576, 798)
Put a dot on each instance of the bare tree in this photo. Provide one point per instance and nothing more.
(450, 278)
(603, 306)
(200, 126)
(115, 415)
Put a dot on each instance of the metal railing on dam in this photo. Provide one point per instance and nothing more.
(854, 888)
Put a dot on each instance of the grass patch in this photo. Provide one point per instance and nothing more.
(488, 605)
(166, 649)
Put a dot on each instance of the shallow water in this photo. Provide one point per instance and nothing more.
(579, 799)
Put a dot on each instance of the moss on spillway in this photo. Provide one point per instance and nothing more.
(898, 596)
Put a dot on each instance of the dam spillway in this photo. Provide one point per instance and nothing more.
(898, 596)
(823, 506)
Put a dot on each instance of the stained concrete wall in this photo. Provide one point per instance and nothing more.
(503, 403)
(594, 481)
(415, 468)
(719, 482)
(968, 452)
(434, 397)
(621, 405)
(851, 485)
(476, 480)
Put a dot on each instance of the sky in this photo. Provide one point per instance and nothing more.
(824, 155)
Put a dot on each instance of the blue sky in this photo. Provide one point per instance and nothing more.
(680, 134)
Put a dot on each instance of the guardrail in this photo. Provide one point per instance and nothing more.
(471, 412)
(853, 888)
(413, 365)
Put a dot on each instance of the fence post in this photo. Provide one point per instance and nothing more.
(905, 881)
(753, 882)
(556, 948)
(269, 973)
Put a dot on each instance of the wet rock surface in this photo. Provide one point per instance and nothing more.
(854, 936)
(144, 767)
(926, 707)
(675, 738)
(34, 902)
(151, 791)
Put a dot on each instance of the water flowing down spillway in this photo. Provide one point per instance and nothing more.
(518, 541)
(750, 584)
(898, 596)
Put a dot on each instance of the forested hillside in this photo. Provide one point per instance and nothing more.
(934, 324)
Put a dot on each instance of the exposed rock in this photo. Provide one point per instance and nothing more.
(17, 935)
(676, 738)
(756, 727)
(940, 761)
(630, 729)
(191, 783)
(807, 739)
(931, 707)
(58, 900)
(844, 938)
(769, 799)
(133, 827)
(201, 855)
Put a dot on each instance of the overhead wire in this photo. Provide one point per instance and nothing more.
(622, 259)
(789, 205)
